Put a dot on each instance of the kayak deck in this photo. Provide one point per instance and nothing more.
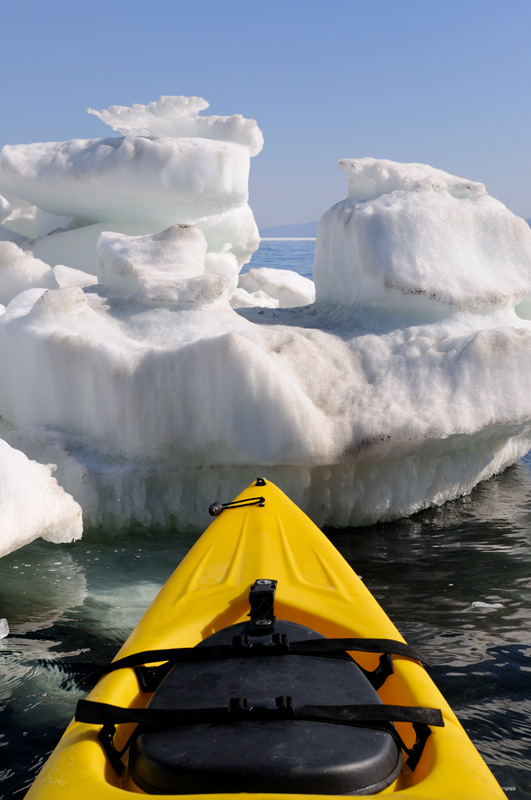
(315, 589)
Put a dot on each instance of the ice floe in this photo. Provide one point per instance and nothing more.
(32, 504)
(137, 358)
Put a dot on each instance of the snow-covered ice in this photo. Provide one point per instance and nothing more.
(408, 232)
(284, 285)
(138, 359)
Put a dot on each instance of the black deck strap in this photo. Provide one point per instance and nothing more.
(172, 655)
(328, 648)
(371, 712)
(242, 709)
(150, 678)
(95, 713)
(374, 715)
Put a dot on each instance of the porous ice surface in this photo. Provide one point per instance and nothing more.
(167, 384)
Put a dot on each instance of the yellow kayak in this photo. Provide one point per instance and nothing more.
(264, 667)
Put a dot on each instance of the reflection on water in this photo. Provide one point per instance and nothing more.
(69, 608)
(38, 584)
(456, 581)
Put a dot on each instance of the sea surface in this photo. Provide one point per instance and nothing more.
(456, 581)
(295, 254)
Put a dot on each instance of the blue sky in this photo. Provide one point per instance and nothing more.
(444, 83)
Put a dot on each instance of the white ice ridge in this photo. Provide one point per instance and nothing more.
(129, 178)
(162, 387)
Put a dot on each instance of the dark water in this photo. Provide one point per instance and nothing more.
(455, 580)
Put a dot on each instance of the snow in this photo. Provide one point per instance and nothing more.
(138, 359)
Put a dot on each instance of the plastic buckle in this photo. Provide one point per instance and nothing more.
(245, 646)
(277, 644)
(244, 708)
(281, 643)
(285, 706)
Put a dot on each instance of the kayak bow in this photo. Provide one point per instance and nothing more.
(265, 667)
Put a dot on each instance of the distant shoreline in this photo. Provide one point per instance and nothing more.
(296, 230)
